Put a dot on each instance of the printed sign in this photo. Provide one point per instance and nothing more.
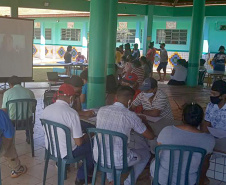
(171, 25)
(37, 25)
(70, 25)
(122, 25)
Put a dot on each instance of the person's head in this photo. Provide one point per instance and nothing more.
(202, 62)
(77, 83)
(150, 85)
(162, 45)
(192, 114)
(14, 80)
(135, 46)
(221, 49)
(181, 62)
(8, 42)
(218, 92)
(84, 76)
(136, 63)
(66, 93)
(130, 58)
(151, 44)
(125, 95)
(127, 46)
(121, 47)
(69, 48)
(130, 80)
(143, 60)
(117, 49)
(79, 54)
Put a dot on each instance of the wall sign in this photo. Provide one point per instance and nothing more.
(70, 25)
(122, 25)
(37, 25)
(171, 25)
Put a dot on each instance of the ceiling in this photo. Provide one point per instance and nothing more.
(171, 2)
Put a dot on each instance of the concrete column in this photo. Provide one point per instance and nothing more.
(111, 39)
(137, 37)
(148, 24)
(206, 37)
(84, 39)
(196, 42)
(42, 44)
(99, 11)
(14, 8)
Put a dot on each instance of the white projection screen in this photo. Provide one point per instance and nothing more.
(16, 45)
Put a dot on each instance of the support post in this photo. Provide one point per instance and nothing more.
(84, 39)
(111, 39)
(198, 15)
(137, 38)
(42, 44)
(14, 8)
(148, 24)
(99, 12)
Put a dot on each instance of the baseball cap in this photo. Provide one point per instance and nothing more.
(149, 83)
(66, 90)
(130, 78)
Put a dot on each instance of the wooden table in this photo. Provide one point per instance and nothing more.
(211, 73)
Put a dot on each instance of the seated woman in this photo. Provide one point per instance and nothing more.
(179, 73)
(187, 134)
(146, 67)
(138, 70)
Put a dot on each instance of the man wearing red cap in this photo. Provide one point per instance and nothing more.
(61, 112)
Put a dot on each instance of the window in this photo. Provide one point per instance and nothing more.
(71, 34)
(223, 27)
(172, 36)
(48, 34)
(126, 35)
(37, 33)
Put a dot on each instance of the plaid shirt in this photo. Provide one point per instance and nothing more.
(118, 118)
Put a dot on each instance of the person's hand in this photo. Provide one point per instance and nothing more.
(143, 118)
(89, 113)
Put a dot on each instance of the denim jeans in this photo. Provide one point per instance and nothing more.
(86, 125)
(86, 150)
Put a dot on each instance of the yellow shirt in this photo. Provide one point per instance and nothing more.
(118, 57)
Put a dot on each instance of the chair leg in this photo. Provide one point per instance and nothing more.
(0, 177)
(62, 174)
(85, 171)
(94, 175)
(132, 175)
(118, 177)
(103, 178)
(31, 133)
(45, 168)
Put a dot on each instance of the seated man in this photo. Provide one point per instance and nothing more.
(7, 132)
(179, 73)
(118, 118)
(216, 115)
(187, 134)
(80, 58)
(16, 91)
(139, 71)
(154, 101)
(61, 112)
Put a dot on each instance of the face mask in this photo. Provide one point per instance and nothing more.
(215, 99)
(148, 95)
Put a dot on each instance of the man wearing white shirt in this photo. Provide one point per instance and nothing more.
(61, 112)
(117, 117)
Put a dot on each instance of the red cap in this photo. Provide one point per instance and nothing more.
(66, 90)
(131, 77)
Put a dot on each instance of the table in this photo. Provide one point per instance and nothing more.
(211, 73)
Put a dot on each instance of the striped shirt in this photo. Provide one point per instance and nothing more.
(160, 102)
(139, 71)
(118, 118)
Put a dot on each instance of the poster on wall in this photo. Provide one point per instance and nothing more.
(37, 25)
(171, 25)
(122, 25)
(70, 25)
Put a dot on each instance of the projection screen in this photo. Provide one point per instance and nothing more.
(16, 45)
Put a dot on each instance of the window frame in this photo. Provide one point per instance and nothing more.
(70, 34)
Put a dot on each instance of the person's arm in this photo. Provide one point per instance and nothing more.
(89, 113)
(81, 140)
(82, 98)
(4, 101)
(136, 102)
(148, 134)
(204, 126)
(207, 120)
(153, 112)
(173, 72)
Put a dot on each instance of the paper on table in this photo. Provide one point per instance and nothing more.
(94, 119)
(219, 133)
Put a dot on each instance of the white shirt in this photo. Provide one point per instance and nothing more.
(180, 73)
(118, 118)
(61, 112)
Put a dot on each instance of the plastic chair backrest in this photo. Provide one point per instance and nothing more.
(202, 74)
(24, 109)
(181, 149)
(100, 139)
(52, 76)
(50, 129)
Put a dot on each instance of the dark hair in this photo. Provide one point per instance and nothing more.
(163, 44)
(219, 86)
(202, 62)
(221, 47)
(69, 48)
(193, 114)
(154, 83)
(84, 74)
(136, 63)
(75, 81)
(125, 91)
(127, 46)
(14, 80)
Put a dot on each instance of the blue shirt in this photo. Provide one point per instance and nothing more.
(6, 128)
(216, 116)
(219, 62)
(84, 91)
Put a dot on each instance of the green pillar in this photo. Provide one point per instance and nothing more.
(198, 16)
(111, 39)
(148, 24)
(14, 8)
(99, 12)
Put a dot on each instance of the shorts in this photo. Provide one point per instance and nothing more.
(162, 65)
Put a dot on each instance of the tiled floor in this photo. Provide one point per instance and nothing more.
(177, 96)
